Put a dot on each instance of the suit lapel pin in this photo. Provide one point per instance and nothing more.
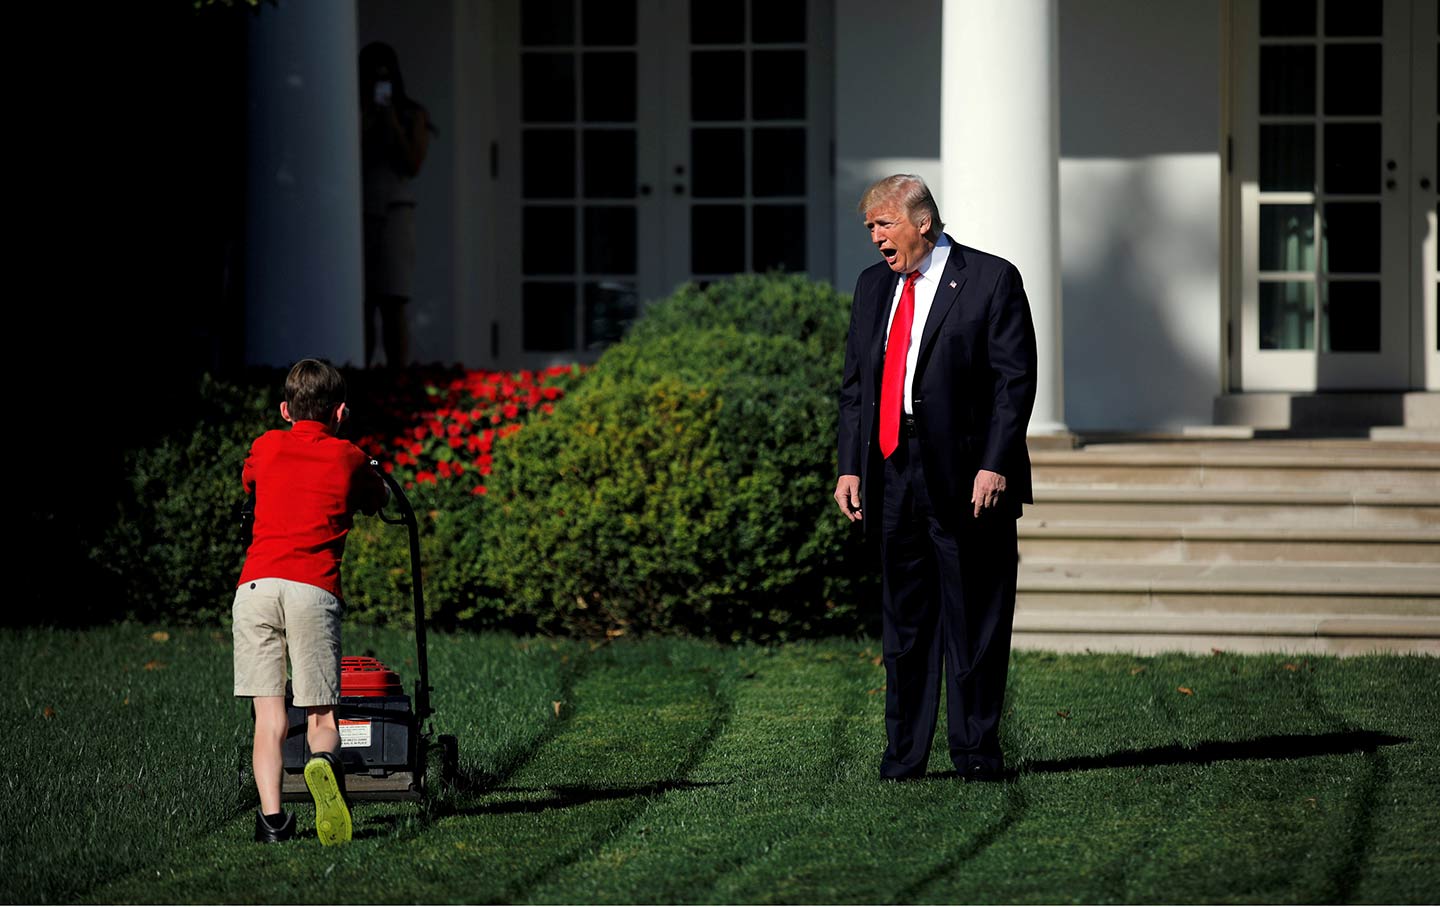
(953, 284)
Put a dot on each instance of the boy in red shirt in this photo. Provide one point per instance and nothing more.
(307, 484)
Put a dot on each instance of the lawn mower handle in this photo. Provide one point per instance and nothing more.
(407, 518)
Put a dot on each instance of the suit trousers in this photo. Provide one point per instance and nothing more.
(948, 603)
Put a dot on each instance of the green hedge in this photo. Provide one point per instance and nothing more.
(686, 484)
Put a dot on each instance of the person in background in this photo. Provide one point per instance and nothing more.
(395, 132)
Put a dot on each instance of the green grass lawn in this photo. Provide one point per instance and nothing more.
(680, 771)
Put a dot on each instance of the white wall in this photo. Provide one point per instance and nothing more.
(421, 36)
(1140, 184)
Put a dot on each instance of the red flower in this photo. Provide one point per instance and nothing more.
(455, 443)
(511, 411)
(480, 490)
(419, 432)
(547, 408)
(388, 467)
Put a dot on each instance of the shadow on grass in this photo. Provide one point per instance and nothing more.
(1275, 746)
(567, 795)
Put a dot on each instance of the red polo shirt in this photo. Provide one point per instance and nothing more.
(307, 483)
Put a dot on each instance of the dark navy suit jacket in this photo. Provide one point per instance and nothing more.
(974, 383)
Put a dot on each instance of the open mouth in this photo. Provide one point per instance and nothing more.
(889, 253)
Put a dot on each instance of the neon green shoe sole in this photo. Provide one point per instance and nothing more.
(332, 816)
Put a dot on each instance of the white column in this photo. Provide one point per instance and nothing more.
(999, 158)
(303, 255)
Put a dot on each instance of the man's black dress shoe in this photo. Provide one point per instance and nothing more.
(981, 771)
(265, 833)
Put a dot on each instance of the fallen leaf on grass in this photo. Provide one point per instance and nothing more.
(1063, 713)
(160, 636)
(154, 665)
(1312, 801)
(1186, 690)
(1290, 667)
(877, 660)
(557, 704)
(614, 632)
(49, 712)
(1134, 671)
(1215, 651)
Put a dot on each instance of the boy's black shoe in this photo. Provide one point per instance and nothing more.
(265, 833)
(325, 777)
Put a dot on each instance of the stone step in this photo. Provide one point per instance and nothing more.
(1243, 591)
(1149, 632)
(1152, 542)
(1267, 466)
(1410, 509)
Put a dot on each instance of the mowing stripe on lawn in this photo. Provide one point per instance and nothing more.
(763, 779)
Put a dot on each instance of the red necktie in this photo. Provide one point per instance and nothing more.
(892, 382)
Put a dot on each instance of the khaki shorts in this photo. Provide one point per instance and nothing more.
(272, 615)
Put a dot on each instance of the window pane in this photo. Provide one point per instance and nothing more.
(609, 87)
(717, 85)
(1287, 237)
(1287, 80)
(609, 163)
(547, 22)
(1354, 18)
(548, 313)
(607, 21)
(779, 85)
(1287, 316)
(717, 159)
(779, 238)
(610, 240)
(777, 21)
(547, 162)
(1287, 18)
(610, 309)
(1352, 238)
(549, 235)
(1352, 157)
(547, 94)
(1352, 79)
(717, 239)
(717, 21)
(1352, 317)
(779, 162)
(1287, 158)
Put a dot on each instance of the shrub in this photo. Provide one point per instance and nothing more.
(686, 484)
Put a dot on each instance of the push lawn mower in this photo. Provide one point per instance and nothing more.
(386, 739)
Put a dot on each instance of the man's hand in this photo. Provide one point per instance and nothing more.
(847, 495)
(986, 494)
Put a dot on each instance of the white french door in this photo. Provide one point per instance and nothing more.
(646, 143)
(1331, 167)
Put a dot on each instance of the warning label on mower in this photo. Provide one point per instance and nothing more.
(354, 733)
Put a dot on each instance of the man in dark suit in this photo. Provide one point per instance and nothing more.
(936, 395)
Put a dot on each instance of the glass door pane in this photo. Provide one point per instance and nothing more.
(579, 175)
(1324, 231)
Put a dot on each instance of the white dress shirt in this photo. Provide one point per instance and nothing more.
(931, 267)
